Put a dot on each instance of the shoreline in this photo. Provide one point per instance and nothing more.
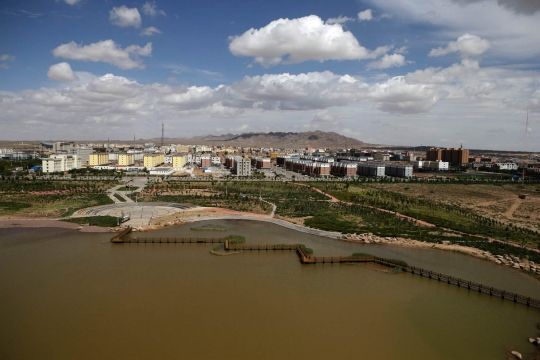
(8, 223)
(213, 213)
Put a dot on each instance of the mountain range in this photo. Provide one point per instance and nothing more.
(314, 139)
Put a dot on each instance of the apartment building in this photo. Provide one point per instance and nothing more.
(371, 169)
(83, 153)
(432, 165)
(97, 159)
(126, 159)
(242, 166)
(153, 160)
(206, 161)
(454, 156)
(60, 163)
(179, 160)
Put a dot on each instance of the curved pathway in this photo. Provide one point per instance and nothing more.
(329, 234)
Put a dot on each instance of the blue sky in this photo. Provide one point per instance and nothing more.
(437, 72)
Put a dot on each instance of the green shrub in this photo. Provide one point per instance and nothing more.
(103, 221)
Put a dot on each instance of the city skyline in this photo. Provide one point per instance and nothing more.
(441, 72)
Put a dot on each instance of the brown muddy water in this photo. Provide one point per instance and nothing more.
(69, 295)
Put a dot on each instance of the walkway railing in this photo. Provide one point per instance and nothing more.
(307, 259)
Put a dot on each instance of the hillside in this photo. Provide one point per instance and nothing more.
(315, 139)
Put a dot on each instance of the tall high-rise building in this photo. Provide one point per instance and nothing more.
(434, 154)
(454, 156)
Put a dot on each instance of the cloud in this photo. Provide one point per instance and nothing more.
(112, 100)
(71, 2)
(433, 75)
(524, 7)
(485, 88)
(339, 20)
(105, 51)
(324, 119)
(4, 66)
(401, 50)
(149, 8)
(123, 16)
(7, 57)
(149, 31)
(388, 61)
(365, 15)
(398, 96)
(31, 14)
(61, 72)
(466, 45)
(303, 39)
(179, 68)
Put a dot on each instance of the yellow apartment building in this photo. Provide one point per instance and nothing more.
(98, 159)
(126, 159)
(178, 161)
(153, 160)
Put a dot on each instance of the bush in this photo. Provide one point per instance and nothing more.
(307, 250)
(361, 255)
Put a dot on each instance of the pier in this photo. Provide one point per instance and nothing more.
(121, 238)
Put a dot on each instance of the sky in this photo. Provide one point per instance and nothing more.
(397, 72)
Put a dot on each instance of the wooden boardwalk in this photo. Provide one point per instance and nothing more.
(307, 259)
(174, 240)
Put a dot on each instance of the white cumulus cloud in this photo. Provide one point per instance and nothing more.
(433, 75)
(388, 61)
(61, 72)
(299, 40)
(149, 31)
(365, 15)
(150, 9)
(396, 95)
(124, 16)
(105, 51)
(71, 2)
(466, 45)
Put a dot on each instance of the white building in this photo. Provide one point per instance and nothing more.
(433, 165)
(507, 166)
(163, 171)
(83, 153)
(60, 163)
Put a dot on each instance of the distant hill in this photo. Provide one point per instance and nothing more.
(315, 139)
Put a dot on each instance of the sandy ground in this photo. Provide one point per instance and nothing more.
(45, 223)
(201, 212)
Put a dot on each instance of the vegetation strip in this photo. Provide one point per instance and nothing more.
(119, 197)
(103, 221)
